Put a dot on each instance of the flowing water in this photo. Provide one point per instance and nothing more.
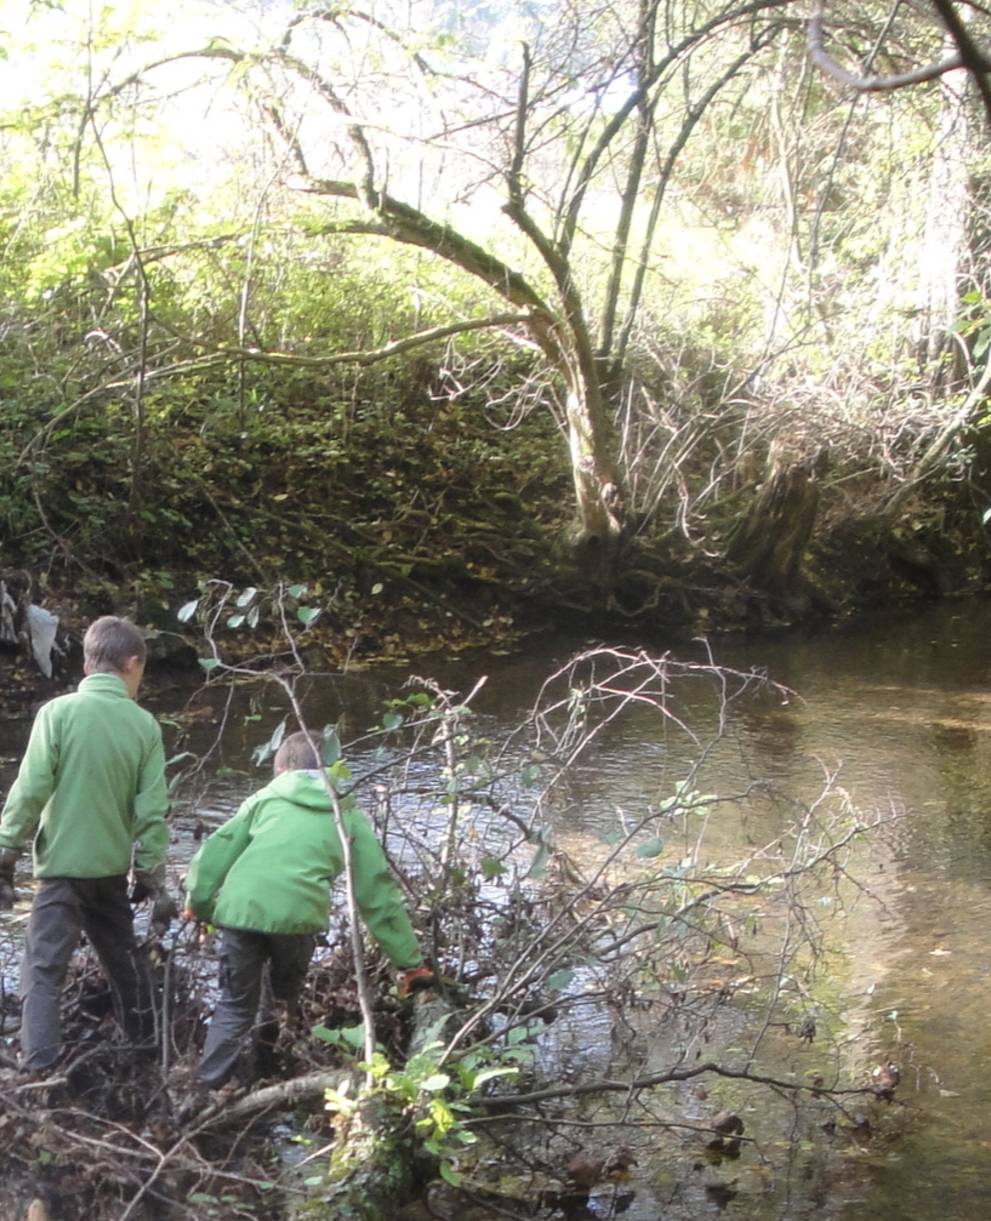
(901, 712)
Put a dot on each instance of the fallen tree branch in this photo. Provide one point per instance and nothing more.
(284, 1094)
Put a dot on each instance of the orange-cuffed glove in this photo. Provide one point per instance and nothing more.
(415, 979)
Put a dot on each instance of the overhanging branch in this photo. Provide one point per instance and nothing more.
(373, 355)
(884, 84)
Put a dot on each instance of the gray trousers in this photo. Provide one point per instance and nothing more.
(62, 909)
(244, 956)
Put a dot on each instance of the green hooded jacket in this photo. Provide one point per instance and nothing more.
(269, 868)
(91, 786)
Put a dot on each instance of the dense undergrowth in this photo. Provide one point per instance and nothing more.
(426, 499)
(414, 517)
(417, 521)
(199, 376)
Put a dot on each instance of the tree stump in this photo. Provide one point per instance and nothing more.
(769, 543)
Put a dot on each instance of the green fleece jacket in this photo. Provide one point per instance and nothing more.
(91, 786)
(269, 868)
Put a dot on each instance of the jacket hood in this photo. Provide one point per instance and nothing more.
(305, 788)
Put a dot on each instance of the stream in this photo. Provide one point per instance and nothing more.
(900, 711)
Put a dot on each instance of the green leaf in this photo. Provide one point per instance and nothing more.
(261, 754)
(377, 588)
(307, 614)
(355, 1035)
(489, 1074)
(297, 591)
(247, 596)
(330, 746)
(209, 663)
(651, 847)
(491, 867)
(449, 1174)
(538, 865)
(253, 615)
(392, 720)
(560, 979)
(187, 610)
(435, 1082)
(235, 620)
(325, 1034)
(530, 775)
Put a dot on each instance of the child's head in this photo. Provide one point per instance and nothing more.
(115, 646)
(296, 755)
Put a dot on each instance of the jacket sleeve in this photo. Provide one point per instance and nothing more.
(211, 865)
(34, 785)
(151, 804)
(379, 898)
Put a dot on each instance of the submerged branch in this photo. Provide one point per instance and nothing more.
(649, 1080)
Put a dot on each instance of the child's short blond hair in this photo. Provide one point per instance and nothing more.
(109, 642)
(296, 755)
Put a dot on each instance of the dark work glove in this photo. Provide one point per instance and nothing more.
(415, 979)
(146, 883)
(8, 859)
(164, 910)
(150, 884)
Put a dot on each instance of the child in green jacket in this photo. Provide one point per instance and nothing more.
(264, 878)
(91, 795)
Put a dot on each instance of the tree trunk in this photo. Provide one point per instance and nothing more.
(371, 1173)
(944, 241)
(597, 493)
(769, 543)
